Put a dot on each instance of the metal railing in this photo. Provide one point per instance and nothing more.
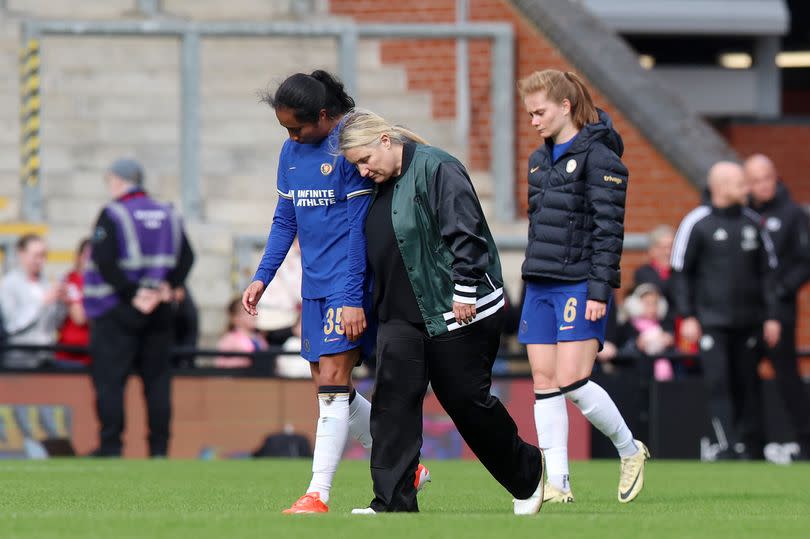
(347, 35)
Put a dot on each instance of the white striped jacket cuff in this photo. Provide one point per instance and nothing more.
(464, 294)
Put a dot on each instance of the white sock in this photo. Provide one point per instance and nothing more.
(551, 420)
(601, 411)
(360, 419)
(330, 440)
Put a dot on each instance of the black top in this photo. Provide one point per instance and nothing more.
(393, 294)
(105, 256)
(789, 228)
(723, 267)
(576, 211)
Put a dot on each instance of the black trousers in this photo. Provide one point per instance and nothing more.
(121, 340)
(789, 382)
(729, 358)
(458, 365)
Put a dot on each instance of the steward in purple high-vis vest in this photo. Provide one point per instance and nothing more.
(149, 239)
(140, 259)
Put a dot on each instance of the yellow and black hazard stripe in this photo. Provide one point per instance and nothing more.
(29, 112)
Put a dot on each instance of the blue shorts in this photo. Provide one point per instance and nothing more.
(322, 332)
(555, 312)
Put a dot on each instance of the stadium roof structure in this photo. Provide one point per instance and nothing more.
(608, 62)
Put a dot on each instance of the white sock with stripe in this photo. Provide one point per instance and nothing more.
(601, 411)
(551, 420)
(330, 438)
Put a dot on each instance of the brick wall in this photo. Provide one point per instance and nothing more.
(658, 193)
(786, 144)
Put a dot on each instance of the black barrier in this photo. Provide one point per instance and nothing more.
(643, 364)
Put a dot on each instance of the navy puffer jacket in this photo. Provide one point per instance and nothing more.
(576, 211)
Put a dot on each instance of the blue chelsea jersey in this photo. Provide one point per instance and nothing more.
(328, 200)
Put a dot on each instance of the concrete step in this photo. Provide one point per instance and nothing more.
(9, 208)
(160, 159)
(240, 10)
(482, 181)
(10, 184)
(249, 186)
(270, 55)
(86, 9)
(253, 214)
(210, 239)
(79, 185)
(66, 237)
(80, 213)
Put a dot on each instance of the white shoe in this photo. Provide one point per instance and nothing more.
(364, 511)
(532, 504)
(631, 477)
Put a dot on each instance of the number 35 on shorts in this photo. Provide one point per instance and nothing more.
(333, 322)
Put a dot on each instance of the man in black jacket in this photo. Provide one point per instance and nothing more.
(723, 265)
(789, 227)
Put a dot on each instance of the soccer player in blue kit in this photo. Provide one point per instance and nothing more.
(324, 200)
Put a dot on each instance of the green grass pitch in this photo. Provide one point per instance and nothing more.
(86, 498)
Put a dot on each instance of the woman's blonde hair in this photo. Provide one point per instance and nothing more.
(361, 127)
(560, 85)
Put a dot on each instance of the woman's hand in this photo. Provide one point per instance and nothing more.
(464, 312)
(595, 310)
(253, 293)
(353, 320)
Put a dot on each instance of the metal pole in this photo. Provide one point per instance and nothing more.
(30, 165)
(462, 78)
(190, 127)
(347, 59)
(769, 82)
(503, 125)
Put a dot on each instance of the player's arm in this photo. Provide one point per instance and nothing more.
(606, 191)
(358, 200)
(453, 202)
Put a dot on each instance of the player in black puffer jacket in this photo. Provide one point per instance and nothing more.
(576, 210)
(577, 189)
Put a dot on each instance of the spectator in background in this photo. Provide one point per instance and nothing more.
(723, 265)
(646, 331)
(280, 305)
(75, 331)
(788, 225)
(657, 271)
(31, 308)
(241, 336)
(140, 259)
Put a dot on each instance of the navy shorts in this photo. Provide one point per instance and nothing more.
(322, 332)
(555, 312)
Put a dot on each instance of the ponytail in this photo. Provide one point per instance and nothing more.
(558, 86)
(362, 127)
(306, 95)
(585, 111)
